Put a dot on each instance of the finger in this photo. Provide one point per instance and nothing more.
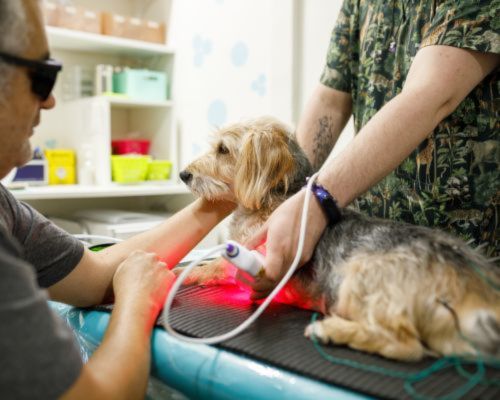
(259, 295)
(257, 238)
(273, 265)
(262, 285)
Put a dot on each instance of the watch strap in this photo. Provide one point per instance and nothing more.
(327, 202)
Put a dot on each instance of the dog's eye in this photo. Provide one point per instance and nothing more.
(222, 149)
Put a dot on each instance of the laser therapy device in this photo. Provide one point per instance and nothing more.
(249, 261)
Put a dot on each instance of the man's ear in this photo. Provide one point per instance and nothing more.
(265, 163)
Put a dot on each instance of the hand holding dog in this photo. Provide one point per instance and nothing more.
(281, 236)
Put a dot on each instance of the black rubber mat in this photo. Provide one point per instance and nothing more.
(277, 338)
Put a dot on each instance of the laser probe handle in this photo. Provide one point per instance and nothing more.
(250, 261)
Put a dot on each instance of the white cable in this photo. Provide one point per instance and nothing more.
(250, 320)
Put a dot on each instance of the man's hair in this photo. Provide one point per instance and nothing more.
(13, 37)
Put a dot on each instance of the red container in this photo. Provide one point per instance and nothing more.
(130, 146)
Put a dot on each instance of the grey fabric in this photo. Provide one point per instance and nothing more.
(39, 357)
(48, 248)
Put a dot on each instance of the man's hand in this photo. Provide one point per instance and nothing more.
(142, 277)
(281, 236)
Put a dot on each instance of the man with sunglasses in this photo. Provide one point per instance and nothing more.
(39, 357)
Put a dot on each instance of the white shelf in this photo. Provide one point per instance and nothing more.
(67, 39)
(112, 190)
(120, 102)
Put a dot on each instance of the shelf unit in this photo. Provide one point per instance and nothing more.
(55, 192)
(67, 39)
(92, 122)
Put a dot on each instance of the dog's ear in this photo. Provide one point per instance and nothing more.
(265, 164)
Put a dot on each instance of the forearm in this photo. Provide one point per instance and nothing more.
(438, 81)
(90, 281)
(324, 118)
(388, 138)
(175, 237)
(119, 368)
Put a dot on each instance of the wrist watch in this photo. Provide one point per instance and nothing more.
(328, 203)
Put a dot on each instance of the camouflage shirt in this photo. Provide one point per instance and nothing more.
(452, 179)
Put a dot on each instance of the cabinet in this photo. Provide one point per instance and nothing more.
(88, 124)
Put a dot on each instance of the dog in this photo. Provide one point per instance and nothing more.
(398, 290)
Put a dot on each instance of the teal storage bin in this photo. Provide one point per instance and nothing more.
(141, 84)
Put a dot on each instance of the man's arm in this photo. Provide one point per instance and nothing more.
(439, 79)
(119, 368)
(324, 118)
(90, 282)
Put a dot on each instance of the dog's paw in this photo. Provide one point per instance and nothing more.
(318, 331)
(177, 271)
(203, 263)
(213, 272)
(191, 279)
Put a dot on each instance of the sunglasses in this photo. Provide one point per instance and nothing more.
(43, 73)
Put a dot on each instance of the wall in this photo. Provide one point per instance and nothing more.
(222, 65)
(238, 59)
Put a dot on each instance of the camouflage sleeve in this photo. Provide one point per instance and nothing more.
(468, 24)
(337, 71)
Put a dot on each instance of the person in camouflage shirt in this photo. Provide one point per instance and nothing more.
(452, 179)
(421, 79)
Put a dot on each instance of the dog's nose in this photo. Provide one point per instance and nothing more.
(186, 176)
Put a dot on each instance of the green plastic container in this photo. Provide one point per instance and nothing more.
(159, 170)
(141, 84)
(129, 168)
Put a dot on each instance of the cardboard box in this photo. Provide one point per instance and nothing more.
(133, 28)
(80, 19)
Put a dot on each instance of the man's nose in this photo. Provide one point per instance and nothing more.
(49, 103)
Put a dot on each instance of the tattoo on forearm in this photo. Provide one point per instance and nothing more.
(323, 141)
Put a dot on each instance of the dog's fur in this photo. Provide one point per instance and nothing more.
(395, 289)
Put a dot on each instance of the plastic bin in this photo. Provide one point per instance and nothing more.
(141, 84)
(159, 170)
(130, 146)
(129, 168)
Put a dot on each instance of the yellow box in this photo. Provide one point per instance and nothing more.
(159, 170)
(61, 166)
(129, 168)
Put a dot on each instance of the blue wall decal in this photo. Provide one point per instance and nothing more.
(239, 54)
(202, 47)
(260, 85)
(217, 113)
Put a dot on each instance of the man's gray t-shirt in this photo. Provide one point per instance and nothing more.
(39, 357)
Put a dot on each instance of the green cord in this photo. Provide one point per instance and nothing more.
(445, 362)
(412, 378)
